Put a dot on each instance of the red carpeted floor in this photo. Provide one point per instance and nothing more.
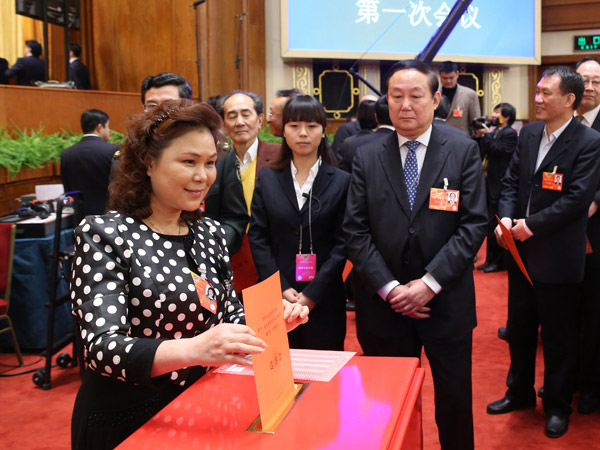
(34, 419)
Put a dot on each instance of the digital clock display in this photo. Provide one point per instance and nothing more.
(587, 42)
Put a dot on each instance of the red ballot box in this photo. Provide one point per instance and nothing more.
(373, 402)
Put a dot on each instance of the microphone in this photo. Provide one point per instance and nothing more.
(305, 195)
(199, 2)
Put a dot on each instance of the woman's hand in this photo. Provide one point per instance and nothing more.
(294, 314)
(291, 295)
(306, 301)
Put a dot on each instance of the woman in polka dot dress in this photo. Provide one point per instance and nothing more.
(152, 286)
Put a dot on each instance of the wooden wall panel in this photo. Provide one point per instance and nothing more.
(56, 109)
(560, 15)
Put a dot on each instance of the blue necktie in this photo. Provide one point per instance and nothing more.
(411, 172)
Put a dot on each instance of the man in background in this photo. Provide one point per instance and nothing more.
(78, 72)
(86, 166)
(348, 129)
(30, 68)
(275, 114)
(464, 104)
(164, 86)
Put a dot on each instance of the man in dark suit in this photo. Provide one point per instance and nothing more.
(240, 166)
(86, 166)
(348, 129)
(589, 365)
(384, 129)
(415, 260)
(3, 68)
(497, 145)
(163, 86)
(549, 222)
(78, 72)
(30, 68)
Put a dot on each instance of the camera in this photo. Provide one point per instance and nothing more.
(478, 123)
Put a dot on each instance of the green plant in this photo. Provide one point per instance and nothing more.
(33, 149)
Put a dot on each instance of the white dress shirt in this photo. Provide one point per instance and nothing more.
(308, 183)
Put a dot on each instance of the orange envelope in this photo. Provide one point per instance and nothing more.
(347, 269)
(510, 243)
(273, 368)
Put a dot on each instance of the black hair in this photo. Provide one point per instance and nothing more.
(215, 101)
(416, 65)
(35, 47)
(288, 93)
(75, 48)
(448, 66)
(570, 82)
(366, 115)
(586, 59)
(382, 111)
(304, 108)
(443, 109)
(91, 118)
(256, 99)
(166, 79)
(507, 110)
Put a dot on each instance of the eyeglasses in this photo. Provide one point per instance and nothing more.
(271, 114)
(150, 105)
(595, 83)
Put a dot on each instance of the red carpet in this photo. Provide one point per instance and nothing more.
(34, 419)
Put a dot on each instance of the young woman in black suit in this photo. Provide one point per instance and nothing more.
(295, 227)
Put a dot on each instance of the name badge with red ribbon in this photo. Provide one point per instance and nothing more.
(306, 266)
(444, 199)
(457, 112)
(206, 293)
(552, 181)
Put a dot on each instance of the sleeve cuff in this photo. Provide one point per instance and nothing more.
(529, 232)
(140, 361)
(432, 283)
(387, 288)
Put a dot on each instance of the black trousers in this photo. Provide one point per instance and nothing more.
(450, 361)
(494, 254)
(589, 346)
(553, 307)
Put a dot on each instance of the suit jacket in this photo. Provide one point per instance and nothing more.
(3, 68)
(352, 143)
(466, 99)
(498, 147)
(80, 75)
(225, 199)
(387, 241)
(27, 70)
(86, 167)
(558, 219)
(593, 229)
(343, 132)
(275, 224)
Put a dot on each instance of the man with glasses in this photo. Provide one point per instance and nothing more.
(275, 114)
(589, 364)
(164, 86)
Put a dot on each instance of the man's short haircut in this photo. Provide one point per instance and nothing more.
(586, 59)
(287, 93)
(167, 79)
(570, 82)
(507, 110)
(256, 99)
(35, 47)
(76, 49)
(382, 111)
(443, 109)
(91, 118)
(416, 65)
(448, 66)
(366, 115)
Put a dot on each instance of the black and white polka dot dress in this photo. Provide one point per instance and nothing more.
(131, 285)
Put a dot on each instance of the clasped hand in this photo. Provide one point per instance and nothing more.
(410, 299)
(516, 228)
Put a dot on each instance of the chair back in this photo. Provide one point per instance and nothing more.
(7, 248)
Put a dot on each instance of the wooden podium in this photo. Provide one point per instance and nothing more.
(373, 402)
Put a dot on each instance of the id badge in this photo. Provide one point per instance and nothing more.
(457, 112)
(444, 199)
(552, 181)
(306, 266)
(206, 293)
(202, 207)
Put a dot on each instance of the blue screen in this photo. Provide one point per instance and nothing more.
(488, 29)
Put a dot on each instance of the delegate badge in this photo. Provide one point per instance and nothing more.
(206, 293)
(306, 266)
(457, 112)
(444, 199)
(552, 181)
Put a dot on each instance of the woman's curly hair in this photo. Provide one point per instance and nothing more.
(148, 134)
